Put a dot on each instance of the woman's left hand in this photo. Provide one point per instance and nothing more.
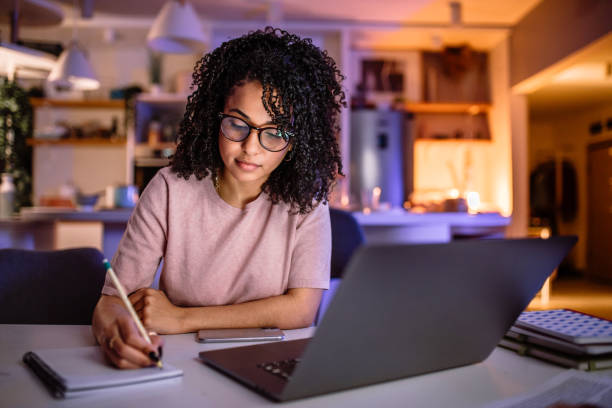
(156, 312)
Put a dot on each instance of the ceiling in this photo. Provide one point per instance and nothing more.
(582, 81)
(391, 24)
(474, 11)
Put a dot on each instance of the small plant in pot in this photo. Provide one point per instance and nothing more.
(15, 129)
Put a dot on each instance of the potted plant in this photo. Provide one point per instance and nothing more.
(15, 129)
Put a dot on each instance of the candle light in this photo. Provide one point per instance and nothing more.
(344, 200)
(473, 201)
(376, 191)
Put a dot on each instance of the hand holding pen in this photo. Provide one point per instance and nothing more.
(126, 347)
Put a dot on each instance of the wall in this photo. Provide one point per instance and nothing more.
(562, 135)
(89, 168)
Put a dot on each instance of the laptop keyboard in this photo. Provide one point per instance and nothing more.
(282, 369)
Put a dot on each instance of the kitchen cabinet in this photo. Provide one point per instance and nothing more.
(90, 160)
(157, 120)
(450, 121)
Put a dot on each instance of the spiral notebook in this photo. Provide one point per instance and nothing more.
(68, 372)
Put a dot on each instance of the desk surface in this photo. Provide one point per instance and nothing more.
(502, 375)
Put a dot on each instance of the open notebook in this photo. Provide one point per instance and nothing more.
(73, 371)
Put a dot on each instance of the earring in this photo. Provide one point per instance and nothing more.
(289, 156)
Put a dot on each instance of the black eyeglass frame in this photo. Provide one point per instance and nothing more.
(251, 128)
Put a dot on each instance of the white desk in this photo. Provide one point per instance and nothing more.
(502, 375)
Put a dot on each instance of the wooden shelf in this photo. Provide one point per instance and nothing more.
(90, 104)
(450, 140)
(94, 141)
(163, 98)
(434, 107)
(158, 146)
(151, 162)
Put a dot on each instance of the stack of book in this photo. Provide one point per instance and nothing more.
(564, 337)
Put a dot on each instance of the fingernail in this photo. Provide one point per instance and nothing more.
(153, 357)
(160, 351)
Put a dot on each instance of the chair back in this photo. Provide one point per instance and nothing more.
(347, 236)
(50, 287)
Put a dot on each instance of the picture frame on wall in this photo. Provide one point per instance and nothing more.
(385, 78)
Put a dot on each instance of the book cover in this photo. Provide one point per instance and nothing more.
(69, 371)
(533, 337)
(586, 363)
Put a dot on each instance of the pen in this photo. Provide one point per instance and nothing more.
(130, 308)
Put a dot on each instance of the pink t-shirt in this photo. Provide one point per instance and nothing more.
(216, 254)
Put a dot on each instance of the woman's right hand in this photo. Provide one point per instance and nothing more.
(119, 337)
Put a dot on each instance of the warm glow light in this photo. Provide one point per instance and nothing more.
(473, 201)
(376, 192)
(453, 193)
(344, 200)
(474, 110)
(366, 210)
(545, 233)
(582, 73)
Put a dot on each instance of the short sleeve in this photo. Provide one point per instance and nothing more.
(311, 258)
(143, 243)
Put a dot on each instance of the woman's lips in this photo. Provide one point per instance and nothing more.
(246, 165)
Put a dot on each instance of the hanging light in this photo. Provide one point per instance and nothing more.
(73, 69)
(177, 29)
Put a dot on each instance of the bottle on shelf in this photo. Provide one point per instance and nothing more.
(154, 136)
(7, 196)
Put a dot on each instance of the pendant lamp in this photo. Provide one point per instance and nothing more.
(177, 29)
(73, 69)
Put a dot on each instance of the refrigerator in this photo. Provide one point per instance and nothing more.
(381, 152)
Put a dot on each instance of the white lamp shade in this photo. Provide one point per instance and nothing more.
(74, 70)
(177, 30)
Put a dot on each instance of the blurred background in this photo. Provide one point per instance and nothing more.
(465, 119)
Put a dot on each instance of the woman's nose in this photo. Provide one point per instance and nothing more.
(250, 145)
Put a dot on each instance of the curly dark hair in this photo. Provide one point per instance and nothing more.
(302, 93)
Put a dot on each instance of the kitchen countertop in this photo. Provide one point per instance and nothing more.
(120, 215)
(455, 219)
(391, 218)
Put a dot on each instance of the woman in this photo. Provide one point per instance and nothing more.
(240, 217)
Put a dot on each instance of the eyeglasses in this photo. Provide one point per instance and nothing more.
(270, 138)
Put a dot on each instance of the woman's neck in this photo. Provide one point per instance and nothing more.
(235, 193)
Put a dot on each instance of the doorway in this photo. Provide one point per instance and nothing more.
(599, 187)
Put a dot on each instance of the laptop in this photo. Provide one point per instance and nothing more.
(401, 311)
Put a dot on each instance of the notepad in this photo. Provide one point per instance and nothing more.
(68, 372)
